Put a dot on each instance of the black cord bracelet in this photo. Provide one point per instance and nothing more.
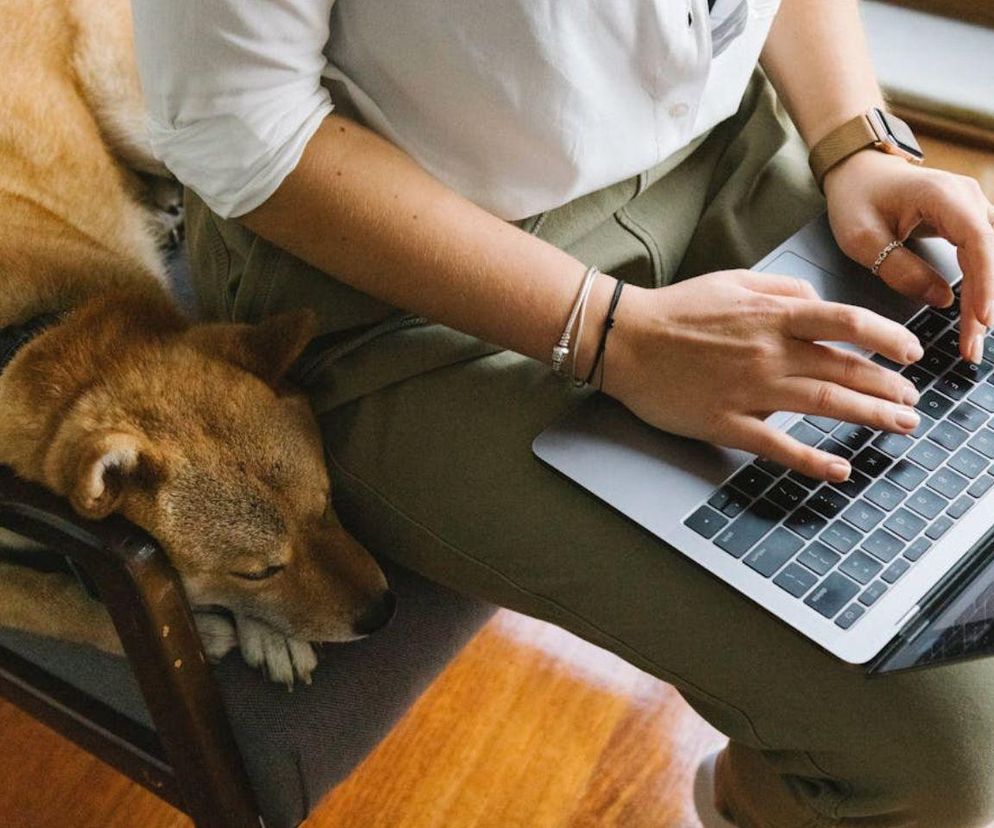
(608, 324)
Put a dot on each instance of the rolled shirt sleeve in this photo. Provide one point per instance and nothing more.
(233, 89)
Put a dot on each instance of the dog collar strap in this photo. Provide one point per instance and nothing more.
(15, 337)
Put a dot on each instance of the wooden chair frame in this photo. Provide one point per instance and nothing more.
(191, 760)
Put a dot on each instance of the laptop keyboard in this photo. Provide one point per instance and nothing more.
(838, 547)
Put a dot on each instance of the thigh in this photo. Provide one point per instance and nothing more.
(437, 472)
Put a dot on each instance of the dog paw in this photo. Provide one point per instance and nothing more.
(217, 634)
(285, 660)
(165, 203)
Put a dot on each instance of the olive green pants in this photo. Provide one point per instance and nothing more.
(429, 432)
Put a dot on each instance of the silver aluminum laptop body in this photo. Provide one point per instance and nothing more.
(657, 480)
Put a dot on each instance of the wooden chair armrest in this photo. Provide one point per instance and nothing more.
(147, 604)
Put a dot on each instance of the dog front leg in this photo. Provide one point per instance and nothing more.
(281, 658)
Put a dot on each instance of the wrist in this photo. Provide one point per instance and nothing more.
(858, 165)
(597, 307)
(623, 346)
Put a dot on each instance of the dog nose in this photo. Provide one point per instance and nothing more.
(377, 616)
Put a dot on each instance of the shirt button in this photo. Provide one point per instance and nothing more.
(679, 110)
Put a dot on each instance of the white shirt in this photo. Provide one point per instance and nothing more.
(519, 105)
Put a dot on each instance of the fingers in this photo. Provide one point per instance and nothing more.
(758, 437)
(911, 275)
(835, 322)
(853, 371)
(828, 399)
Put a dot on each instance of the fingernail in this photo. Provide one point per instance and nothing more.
(839, 472)
(977, 351)
(939, 295)
(911, 396)
(915, 352)
(906, 418)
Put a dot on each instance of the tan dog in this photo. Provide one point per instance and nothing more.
(121, 405)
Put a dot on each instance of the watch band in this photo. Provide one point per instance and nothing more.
(848, 139)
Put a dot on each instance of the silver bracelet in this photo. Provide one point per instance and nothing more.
(579, 383)
(561, 349)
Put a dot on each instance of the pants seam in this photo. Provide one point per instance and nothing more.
(547, 600)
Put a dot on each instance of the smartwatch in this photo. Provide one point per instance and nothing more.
(875, 129)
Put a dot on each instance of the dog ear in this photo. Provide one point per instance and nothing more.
(108, 465)
(267, 350)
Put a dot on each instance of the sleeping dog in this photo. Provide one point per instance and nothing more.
(111, 398)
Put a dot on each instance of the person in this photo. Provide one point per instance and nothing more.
(436, 179)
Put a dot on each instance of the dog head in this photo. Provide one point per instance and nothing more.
(197, 440)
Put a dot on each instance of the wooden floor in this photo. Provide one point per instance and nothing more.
(529, 727)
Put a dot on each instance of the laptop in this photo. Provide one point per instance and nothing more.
(891, 570)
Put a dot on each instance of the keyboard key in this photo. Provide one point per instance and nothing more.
(925, 423)
(863, 515)
(796, 580)
(969, 463)
(968, 416)
(819, 558)
(836, 448)
(894, 445)
(952, 312)
(904, 524)
(933, 404)
(918, 376)
(926, 503)
(948, 436)
(935, 361)
(787, 494)
(850, 616)
(750, 526)
(983, 441)
(973, 371)
(706, 522)
(827, 502)
(948, 483)
(806, 523)
(895, 570)
(917, 549)
(960, 507)
(773, 552)
(983, 396)
(954, 385)
(752, 481)
(736, 504)
(831, 595)
(872, 593)
(802, 432)
(928, 454)
(840, 536)
(939, 528)
(980, 486)
(804, 480)
(854, 486)
(889, 364)
(825, 424)
(771, 468)
(871, 462)
(906, 475)
(854, 436)
(949, 342)
(860, 567)
(927, 326)
(883, 545)
(885, 495)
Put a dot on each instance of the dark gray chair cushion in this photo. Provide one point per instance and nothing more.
(297, 746)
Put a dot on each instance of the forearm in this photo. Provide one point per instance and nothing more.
(817, 59)
(361, 209)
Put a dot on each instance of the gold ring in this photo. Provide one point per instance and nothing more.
(890, 248)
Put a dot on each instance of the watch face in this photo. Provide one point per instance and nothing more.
(900, 134)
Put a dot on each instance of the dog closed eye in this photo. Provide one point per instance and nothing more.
(262, 574)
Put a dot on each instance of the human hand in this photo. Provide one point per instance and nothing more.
(712, 357)
(874, 198)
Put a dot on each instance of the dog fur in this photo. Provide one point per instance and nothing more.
(190, 431)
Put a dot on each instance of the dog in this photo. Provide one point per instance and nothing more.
(122, 405)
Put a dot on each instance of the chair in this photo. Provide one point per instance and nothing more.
(222, 743)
